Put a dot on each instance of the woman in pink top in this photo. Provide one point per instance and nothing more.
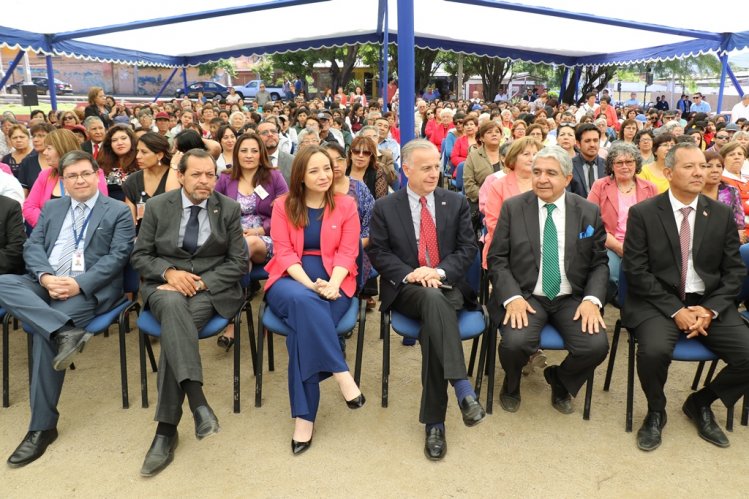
(48, 184)
(463, 145)
(615, 194)
(518, 180)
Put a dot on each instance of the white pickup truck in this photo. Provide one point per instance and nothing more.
(250, 89)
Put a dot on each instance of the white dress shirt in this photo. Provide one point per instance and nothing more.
(204, 224)
(694, 283)
(66, 231)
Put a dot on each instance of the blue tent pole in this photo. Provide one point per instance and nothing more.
(12, 67)
(166, 83)
(577, 82)
(565, 76)
(184, 79)
(406, 72)
(735, 81)
(51, 83)
(385, 63)
(724, 65)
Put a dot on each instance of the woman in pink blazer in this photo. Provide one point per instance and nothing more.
(615, 194)
(311, 280)
(48, 184)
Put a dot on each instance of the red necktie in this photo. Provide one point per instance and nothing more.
(429, 253)
(684, 239)
(96, 150)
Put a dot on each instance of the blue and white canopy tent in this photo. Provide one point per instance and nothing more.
(184, 33)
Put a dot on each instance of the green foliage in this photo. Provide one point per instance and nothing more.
(210, 68)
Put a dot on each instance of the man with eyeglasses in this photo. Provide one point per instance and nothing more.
(191, 256)
(699, 105)
(75, 259)
(268, 132)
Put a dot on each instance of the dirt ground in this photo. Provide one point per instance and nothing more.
(372, 452)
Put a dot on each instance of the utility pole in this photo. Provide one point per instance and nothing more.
(460, 77)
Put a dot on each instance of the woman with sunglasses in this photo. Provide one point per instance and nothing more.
(464, 144)
(69, 118)
(312, 275)
(362, 165)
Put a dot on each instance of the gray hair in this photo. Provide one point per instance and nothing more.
(619, 149)
(671, 156)
(416, 144)
(557, 153)
(305, 132)
(739, 135)
(237, 113)
(448, 111)
(75, 156)
(194, 153)
(89, 122)
(368, 128)
(600, 121)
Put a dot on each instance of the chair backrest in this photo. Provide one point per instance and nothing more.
(459, 176)
(744, 293)
(131, 279)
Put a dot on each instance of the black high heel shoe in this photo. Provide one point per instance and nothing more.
(225, 342)
(357, 402)
(300, 447)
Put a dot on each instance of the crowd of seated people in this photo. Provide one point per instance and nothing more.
(195, 193)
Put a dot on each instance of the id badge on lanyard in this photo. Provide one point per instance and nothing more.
(78, 263)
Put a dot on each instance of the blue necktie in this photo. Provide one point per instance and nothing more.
(190, 242)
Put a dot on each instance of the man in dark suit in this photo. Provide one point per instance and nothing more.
(12, 236)
(587, 166)
(420, 240)
(682, 263)
(268, 132)
(548, 264)
(75, 258)
(96, 132)
(191, 255)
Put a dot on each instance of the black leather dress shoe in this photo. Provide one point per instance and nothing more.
(206, 422)
(472, 411)
(435, 446)
(69, 344)
(32, 447)
(299, 447)
(704, 420)
(159, 455)
(509, 402)
(649, 434)
(561, 399)
(356, 403)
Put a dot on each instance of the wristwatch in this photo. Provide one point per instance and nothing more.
(201, 285)
(441, 273)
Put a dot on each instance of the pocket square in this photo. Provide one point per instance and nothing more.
(587, 233)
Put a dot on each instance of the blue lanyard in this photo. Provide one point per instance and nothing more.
(78, 237)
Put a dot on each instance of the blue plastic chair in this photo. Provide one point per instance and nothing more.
(149, 326)
(270, 323)
(457, 182)
(471, 325)
(98, 325)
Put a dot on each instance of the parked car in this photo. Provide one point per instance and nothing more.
(210, 90)
(42, 86)
(250, 89)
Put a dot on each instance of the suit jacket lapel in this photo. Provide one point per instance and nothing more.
(701, 219)
(214, 213)
(440, 215)
(666, 214)
(571, 226)
(404, 214)
(96, 216)
(530, 214)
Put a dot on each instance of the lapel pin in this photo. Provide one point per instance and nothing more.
(704, 213)
(444, 203)
(215, 211)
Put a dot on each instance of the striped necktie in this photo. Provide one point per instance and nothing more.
(551, 278)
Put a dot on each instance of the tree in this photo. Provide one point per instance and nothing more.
(592, 78)
(424, 60)
(685, 71)
(211, 68)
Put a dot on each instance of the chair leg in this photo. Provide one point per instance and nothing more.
(472, 359)
(630, 382)
(6, 358)
(711, 372)
(612, 355)
(259, 361)
(123, 360)
(251, 334)
(271, 356)
(482, 365)
(588, 397)
(698, 375)
(492, 362)
(385, 334)
(729, 418)
(360, 341)
(151, 358)
(142, 342)
(237, 359)
(745, 411)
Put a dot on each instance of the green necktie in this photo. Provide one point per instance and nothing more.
(551, 279)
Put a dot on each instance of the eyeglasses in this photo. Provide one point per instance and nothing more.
(722, 137)
(696, 97)
(628, 162)
(361, 152)
(73, 177)
(265, 133)
(458, 122)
